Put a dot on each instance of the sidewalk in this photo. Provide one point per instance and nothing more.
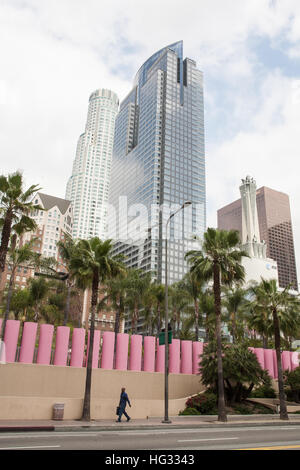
(177, 422)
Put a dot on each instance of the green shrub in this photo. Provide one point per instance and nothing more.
(264, 391)
(189, 411)
(263, 410)
(243, 410)
(205, 403)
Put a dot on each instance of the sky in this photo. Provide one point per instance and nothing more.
(55, 53)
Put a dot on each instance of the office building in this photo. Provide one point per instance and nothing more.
(274, 228)
(88, 186)
(158, 164)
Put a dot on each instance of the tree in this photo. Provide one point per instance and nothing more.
(158, 296)
(235, 304)
(20, 302)
(179, 300)
(284, 309)
(66, 250)
(17, 257)
(15, 209)
(218, 261)
(38, 289)
(207, 307)
(193, 286)
(92, 264)
(241, 371)
(137, 285)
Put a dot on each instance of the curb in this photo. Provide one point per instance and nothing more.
(168, 426)
(26, 428)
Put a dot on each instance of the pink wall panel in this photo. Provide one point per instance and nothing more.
(186, 357)
(11, 339)
(197, 351)
(78, 343)
(294, 359)
(259, 352)
(160, 358)
(107, 356)
(286, 360)
(45, 344)
(149, 353)
(122, 351)
(135, 360)
(96, 347)
(174, 356)
(2, 347)
(275, 364)
(61, 346)
(269, 362)
(28, 342)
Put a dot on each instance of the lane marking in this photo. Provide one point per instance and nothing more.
(210, 439)
(271, 448)
(27, 447)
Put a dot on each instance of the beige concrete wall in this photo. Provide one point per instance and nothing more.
(28, 391)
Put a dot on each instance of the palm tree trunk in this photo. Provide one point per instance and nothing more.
(86, 413)
(217, 295)
(196, 320)
(67, 306)
(5, 236)
(206, 328)
(158, 319)
(265, 341)
(283, 409)
(8, 301)
(233, 327)
(116, 330)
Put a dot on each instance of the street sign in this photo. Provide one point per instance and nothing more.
(161, 337)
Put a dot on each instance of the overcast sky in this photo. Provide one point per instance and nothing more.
(54, 53)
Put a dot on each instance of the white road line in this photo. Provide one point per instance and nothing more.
(27, 447)
(45, 435)
(212, 439)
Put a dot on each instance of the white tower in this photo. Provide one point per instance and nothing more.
(88, 186)
(258, 265)
(250, 228)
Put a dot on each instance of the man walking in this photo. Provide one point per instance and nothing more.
(123, 401)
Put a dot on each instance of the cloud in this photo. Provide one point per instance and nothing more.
(55, 53)
(268, 151)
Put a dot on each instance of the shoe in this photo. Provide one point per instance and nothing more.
(128, 419)
(118, 421)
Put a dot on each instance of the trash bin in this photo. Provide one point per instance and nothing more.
(58, 411)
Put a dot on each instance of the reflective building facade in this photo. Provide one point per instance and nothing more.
(158, 164)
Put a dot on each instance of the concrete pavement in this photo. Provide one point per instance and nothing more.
(177, 422)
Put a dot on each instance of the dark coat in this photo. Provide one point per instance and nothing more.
(123, 400)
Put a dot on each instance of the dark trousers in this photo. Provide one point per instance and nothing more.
(123, 412)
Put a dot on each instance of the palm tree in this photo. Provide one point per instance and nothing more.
(207, 307)
(193, 285)
(284, 309)
(38, 289)
(66, 249)
(137, 285)
(15, 209)
(235, 303)
(17, 257)
(158, 295)
(179, 300)
(91, 264)
(218, 261)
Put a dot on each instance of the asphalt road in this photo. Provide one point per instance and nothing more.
(262, 437)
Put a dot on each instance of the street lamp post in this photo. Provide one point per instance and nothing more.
(166, 417)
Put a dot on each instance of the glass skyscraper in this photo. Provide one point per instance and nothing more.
(158, 164)
(88, 186)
